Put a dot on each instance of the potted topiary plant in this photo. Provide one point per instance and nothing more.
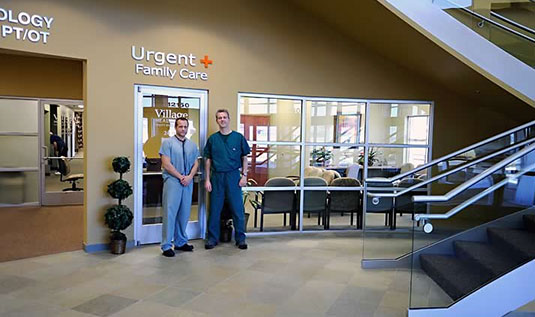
(119, 217)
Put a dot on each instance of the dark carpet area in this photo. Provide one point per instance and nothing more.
(33, 231)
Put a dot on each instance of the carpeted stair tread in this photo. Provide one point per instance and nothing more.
(516, 242)
(529, 222)
(485, 256)
(452, 274)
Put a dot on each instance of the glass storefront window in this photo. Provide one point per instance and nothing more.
(392, 123)
(335, 122)
(19, 151)
(269, 161)
(389, 161)
(268, 119)
(19, 187)
(331, 152)
(12, 111)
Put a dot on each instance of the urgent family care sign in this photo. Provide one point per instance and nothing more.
(24, 26)
(170, 65)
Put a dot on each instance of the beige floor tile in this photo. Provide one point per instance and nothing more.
(29, 308)
(74, 313)
(104, 305)
(395, 299)
(333, 276)
(317, 274)
(174, 297)
(186, 313)
(20, 267)
(9, 283)
(314, 297)
(139, 290)
(145, 309)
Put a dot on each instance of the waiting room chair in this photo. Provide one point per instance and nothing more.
(278, 202)
(406, 167)
(315, 202)
(353, 171)
(381, 204)
(345, 201)
(404, 203)
(66, 176)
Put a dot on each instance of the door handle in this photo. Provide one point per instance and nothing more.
(45, 156)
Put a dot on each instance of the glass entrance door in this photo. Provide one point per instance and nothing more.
(62, 152)
(157, 109)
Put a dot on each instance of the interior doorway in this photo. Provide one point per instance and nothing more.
(156, 111)
(62, 148)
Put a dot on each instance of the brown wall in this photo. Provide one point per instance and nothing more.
(256, 46)
(32, 76)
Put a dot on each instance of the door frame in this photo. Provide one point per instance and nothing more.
(54, 198)
(151, 233)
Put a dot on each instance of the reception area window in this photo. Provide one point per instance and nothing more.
(309, 157)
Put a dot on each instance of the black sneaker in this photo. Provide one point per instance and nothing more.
(241, 245)
(168, 253)
(209, 245)
(185, 247)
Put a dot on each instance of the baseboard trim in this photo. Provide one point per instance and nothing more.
(98, 247)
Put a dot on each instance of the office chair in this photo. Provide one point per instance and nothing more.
(66, 176)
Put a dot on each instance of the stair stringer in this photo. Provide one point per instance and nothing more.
(466, 45)
(496, 299)
(445, 246)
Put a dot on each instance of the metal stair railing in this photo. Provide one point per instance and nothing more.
(464, 186)
(451, 155)
(451, 171)
(512, 22)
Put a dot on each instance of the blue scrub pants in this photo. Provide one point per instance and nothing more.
(226, 185)
(176, 210)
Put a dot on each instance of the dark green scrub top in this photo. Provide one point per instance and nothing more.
(226, 151)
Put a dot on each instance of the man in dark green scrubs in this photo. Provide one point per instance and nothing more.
(226, 152)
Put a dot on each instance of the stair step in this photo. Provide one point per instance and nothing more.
(453, 275)
(518, 243)
(529, 222)
(485, 256)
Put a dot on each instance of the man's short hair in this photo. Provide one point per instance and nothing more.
(220, 111)
(181, 119)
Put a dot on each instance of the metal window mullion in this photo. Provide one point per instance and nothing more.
(387, 145)
(333, 144)
(18, 169)
(302, 165)
(365, 167)
(19, 133)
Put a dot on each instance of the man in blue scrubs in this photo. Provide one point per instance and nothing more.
(226, 152)
(180, 162)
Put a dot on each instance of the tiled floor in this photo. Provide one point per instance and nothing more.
(289, 275)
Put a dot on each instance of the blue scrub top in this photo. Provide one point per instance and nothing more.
(226, 154)
(174, 149)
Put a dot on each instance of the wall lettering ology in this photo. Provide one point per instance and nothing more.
(24, 26)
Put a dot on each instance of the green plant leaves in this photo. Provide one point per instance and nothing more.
(121, 164)
(120, 189)
(118, 217)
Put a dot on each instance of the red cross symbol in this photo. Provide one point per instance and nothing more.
(206, 61)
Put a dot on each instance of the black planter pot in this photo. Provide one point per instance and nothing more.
(117, 246)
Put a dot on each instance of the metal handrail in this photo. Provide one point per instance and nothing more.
(453, 170)
(461, 188)
(448, 156)
(475, 198)
(512, 22)
(484, 18)
(62, 157)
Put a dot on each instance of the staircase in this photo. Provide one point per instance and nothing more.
(475, 264)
